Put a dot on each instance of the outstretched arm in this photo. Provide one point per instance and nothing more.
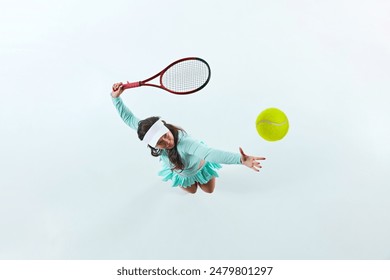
(209, 154)
(124, 112)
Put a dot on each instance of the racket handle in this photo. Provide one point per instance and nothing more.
(131, 85)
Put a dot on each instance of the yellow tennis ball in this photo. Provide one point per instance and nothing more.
(272, 124)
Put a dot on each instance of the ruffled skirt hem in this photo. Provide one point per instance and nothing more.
(205, 174)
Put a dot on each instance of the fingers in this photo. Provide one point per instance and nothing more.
(259, 158)
(117, 86)
(254, 164)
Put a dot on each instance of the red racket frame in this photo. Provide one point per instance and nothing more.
(161, 73)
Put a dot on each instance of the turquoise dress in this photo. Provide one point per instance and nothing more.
(191, 151)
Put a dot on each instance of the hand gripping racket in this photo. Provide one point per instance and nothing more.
(184, 76)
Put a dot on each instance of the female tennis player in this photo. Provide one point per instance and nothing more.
(188, 163)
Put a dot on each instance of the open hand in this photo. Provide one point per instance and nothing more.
(251, 161)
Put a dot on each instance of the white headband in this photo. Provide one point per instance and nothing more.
(154, 133)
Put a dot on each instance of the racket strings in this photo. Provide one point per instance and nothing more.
(186, 76)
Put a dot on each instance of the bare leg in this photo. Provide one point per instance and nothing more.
(209, 186)
(191, 189)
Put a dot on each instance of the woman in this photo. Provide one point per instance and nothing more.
(188, 163)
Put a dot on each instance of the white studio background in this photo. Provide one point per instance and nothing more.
(76, 183)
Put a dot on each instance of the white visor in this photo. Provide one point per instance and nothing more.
(154, 133)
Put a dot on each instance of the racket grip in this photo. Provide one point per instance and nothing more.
(131, 85)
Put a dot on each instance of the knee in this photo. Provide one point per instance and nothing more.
(192, 190)
(208, 190)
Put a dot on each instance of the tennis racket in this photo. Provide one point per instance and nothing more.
(184, 76)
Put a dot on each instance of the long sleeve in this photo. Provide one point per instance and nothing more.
(200, 150)
(124, 112)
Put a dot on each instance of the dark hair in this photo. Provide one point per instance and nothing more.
(173, 154)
